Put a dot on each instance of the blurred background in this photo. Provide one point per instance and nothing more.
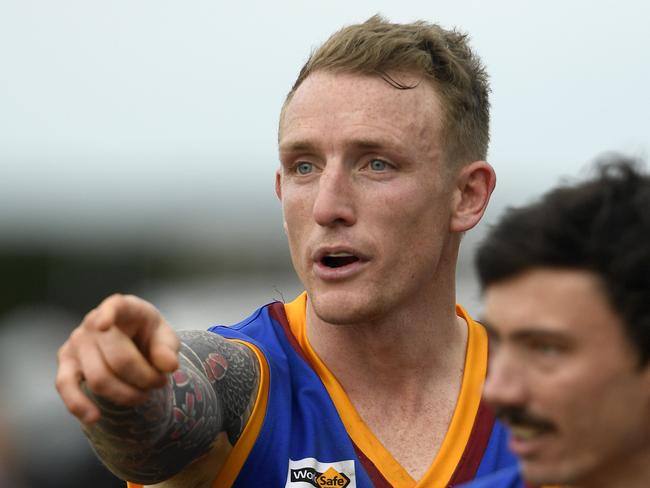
(138, 150)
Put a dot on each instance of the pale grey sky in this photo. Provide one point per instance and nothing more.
(125, 118)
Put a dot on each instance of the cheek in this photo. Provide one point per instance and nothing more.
(570, 399)
(415, 205)
(423, 226)
(295, 218)
(295, 209)
(412, 239)
(558, 395)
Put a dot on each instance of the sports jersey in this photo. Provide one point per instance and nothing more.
(304, 432)
(505, 478)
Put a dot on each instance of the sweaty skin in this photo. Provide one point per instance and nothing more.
(213, 391)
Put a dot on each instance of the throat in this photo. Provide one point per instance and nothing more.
(411, 431)
(386, 373)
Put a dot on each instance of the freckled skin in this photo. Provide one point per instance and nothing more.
(399, 217)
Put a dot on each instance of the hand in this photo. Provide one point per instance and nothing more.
(121, 350)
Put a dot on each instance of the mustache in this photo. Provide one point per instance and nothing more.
(516, 416)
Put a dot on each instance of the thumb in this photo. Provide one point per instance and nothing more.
(163, 348)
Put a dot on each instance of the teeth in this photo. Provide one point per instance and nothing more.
(524, 433)
(339, 255)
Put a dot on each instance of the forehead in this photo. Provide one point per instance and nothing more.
(350, 104)
(563, 301)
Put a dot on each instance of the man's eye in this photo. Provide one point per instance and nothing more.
(378, 165)
(305, 168)
(546, 348)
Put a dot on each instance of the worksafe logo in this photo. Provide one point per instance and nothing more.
(309, 472)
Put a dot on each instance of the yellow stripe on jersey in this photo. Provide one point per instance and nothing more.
(459, 431)
(460, 428)
(242, 448)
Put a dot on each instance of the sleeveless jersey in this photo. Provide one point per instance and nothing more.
(304, 432)
(505, 478)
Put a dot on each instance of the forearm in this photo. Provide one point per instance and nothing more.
(213, 390)
(152, 442)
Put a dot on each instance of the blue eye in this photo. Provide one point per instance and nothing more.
(378, 165)
(546, 348)
(305, 168)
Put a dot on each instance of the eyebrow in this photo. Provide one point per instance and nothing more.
(531, 332)
(297, 146)
(308, 146)
(536, 333)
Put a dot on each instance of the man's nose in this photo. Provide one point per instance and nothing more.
(506, 381)
(335, 199)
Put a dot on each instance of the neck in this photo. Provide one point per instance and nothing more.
(632, 472)
(397, 351)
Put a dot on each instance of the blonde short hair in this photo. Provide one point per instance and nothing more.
(441, 56)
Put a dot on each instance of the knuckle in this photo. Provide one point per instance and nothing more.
(59, 383)
(123, 364)
(66, 378)
(89, 317)
(76, 337)
(75, 407)
(62, 352)
(99, 384)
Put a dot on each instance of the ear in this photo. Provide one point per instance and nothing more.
(474, 185)
(278, 192)
(278, 184)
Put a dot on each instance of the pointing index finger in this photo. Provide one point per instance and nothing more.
(128, 312)
(163, 348)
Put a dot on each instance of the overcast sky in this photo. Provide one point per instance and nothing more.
(128, 117)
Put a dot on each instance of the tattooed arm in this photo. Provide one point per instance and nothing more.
(212, 391)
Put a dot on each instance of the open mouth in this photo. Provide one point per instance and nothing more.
(527, 432)
(337, 260)
(523, 425)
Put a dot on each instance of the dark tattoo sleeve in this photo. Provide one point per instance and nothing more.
(213, 391)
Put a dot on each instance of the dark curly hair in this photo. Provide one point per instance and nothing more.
(601, 225)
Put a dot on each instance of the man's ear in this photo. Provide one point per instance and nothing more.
(278, 184)
(278, 192)
(474, 185)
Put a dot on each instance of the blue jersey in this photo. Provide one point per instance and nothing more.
(506, 478)
(304, 432)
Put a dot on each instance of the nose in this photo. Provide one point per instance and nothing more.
(335, 202)
(506, 383)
